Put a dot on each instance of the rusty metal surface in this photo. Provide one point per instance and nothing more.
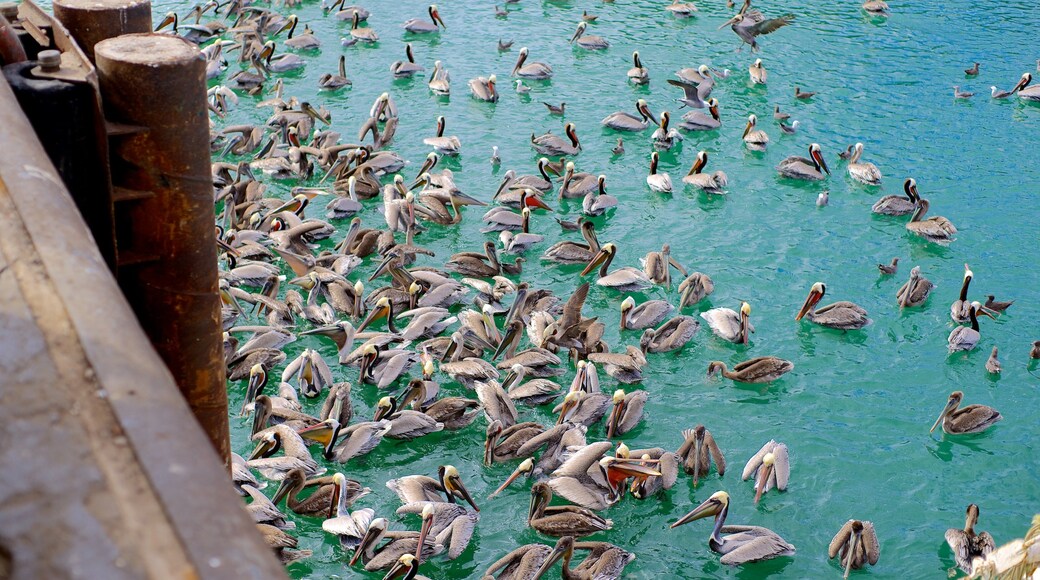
(103, 473)
(91, 21)
(158, 81)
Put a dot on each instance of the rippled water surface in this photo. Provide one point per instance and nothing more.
(856, 410)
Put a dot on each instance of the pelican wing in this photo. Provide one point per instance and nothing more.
(457, 535)
(634, 403)
(753, 543)
(497, 404)
(579, 463)
(870, 543)
(415, 488)
(350, 527)
(668, 465)
(839, 539)
(572, 309)
(756, 460)
(716, 453)
(781, 466)
(576, 492)
(771, 24)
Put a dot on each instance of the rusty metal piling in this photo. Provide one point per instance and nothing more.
(91, 21)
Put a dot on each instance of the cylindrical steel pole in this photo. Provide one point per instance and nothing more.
(158, 82)
(91, 21)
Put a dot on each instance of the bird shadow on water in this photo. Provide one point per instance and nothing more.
(763, 569)
(942, 449)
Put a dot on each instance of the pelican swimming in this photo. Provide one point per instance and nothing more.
(605, 561)
(638, 74)
(405, 424)
(406, 68)
(334, 81)
(698, 121)
(695, 288)
(646, 315)
(843, 315)
(483, 89)
(757, 72)
(755, 139)
(813, 168)
(440, 81)
(593, 481)
(960, 310)
(934, 229)
(330, 491)
(562, 520)
(420, 488)
(385, 557)
(681, 9)
(577, 184)
(968, 545)
(534, 70)
(771, 468)
(665, 137)
(627, 411)
(970, 419)
(709, 182)
(729, 325)
(419, 26)
(741, 544)
(568, 252)
(698, 451)
(866, 172)
(626, 279)
(590, 42)
(441, 144)
(763, 369)
(659, 182)
(553, 145)
(305, 41)
(597, 201)
(897, 204)
(1029, 93)
(856, 543)
(967, 337)
(358, 34)
(670, 336)
(625, 121)
(916, 290)
(747, 25)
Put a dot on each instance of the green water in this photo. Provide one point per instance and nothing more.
(856, 410)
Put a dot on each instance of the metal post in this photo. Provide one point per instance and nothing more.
(91, 21)
(157, 83)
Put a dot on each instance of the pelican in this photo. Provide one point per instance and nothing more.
(796, 167)
(597, 201)
(562, 520)
(709, 182)
(755, 139)
(748, 25)
(968, 545)
(916, 290)
(877, 8)
(670, 336)
(897, 204)
(698, 121)
(441, 144)
(646, 315)
(1029, 93)
(604, 562)
(593, 481)
(729, 325)
(420, 488)
(523, 563)
(440, 81)
(857, 544)
(405, 424)
(970, 419)
(534, 70)
(934, 229)
(406, 567)
(358, 34)
(347, 12)
(386, 556)
(698, 451)
(842, 315)
(281, 62)
(627, 411)
(625, 121)
(567, 252)
(771, 468)
(475, 265)
(659, 182)
(694, 289)
(626, 279)
(304, 41)
(624, 367)
(406, 68)
(665, 137)
(348, 526)
(334, 81)
(577, 184)
(741, 544)
(763, 369)
(757, 72)
(420, 26)
(553, 145)
(483, 89)
(867, 173)
(590, 42)
(638, 74)
(329, 493)
(967, 337)
(681, 9)
(960, 310)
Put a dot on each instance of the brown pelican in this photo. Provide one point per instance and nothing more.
(567, 252)
(624, 367)
(420, 488)
(916, 290)
(934, 229)
(626, 279)
(1025, 91)
(970, 419)
(670, 336)
(843, 315)
(405, 424)
(665, 137)
(729, 325)
(876, 8)
(627, 411)
(797, 167)
(681, 9)
(694, 289)
(755, 139)
(741, 544)
(441, 144)
(276, 468)
(577, 184)
(553, 145)
(582, 407)
(534, 70)
(968, 545)
(897, 204)
(562, 520)
(960, 310)
(698, 121)
(771, 468)
(646, 315)
(335, 81)
(348, 526)
(757, 72)
(358, 34)
(625, 121)
(406, 568)
(347, 12)
(523, 563)
(282, 543)
(385, 557)
(483, 89)
(967, 337)
(406, 68)
(419, 26)
(657, 266)
(638, 73)
(593, 481)
(597, 201)
(709, 182)
(698, 451)
(747, 25)
(591, 42)
(305, 41)
(440, 81)
(857, 544)
(659, 182)
(330, 491)
(763, 369)
(604, 562)
(866, 172)
(476, 265)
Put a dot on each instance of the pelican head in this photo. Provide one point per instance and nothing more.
(407, 566)
(1023, 82)
(436, 16)
(713, 506)
(604, 256)
(817, 157)
(815, 294)
(737, 19)
(616, 413)
(376, 529)
(626, 306)
(451, 481)
(763, 474)
(745, 314)
(751, 120)
(951, 405)
(579, 31)
(424, 530)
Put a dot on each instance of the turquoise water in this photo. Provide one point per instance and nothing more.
(856, 410)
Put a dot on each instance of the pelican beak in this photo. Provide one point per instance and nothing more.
(810, 301)
(282, 491)
(696, 462)
(728, 22)
(424, 531)
(370, 538)
(256, 384)
(534, 201)
(615, 417)
(511, 333)
(458, 488)
(577, 33)
(171, 18)
(383, 266)
(950, 405)
(823, 163)
(437, 17)
(744, 327)
(377, 313)
(1021, 83)
(596, 261)
(310, 110)
(322, 432)
(710, 507)
(512, 477)
(634, 468)
(565, 409)
(558, 552)
(763, 478)
(747, 129)
(463, 199)
(265, 446)
(985, 312)
(857, 538)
